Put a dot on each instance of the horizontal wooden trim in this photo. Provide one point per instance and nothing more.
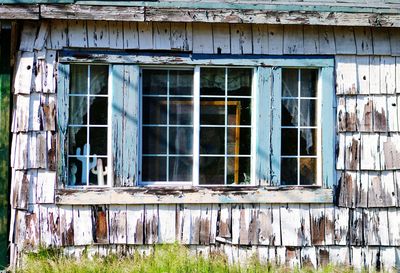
(196, 59)
(26, 12)
(265, 14)
(193, 195)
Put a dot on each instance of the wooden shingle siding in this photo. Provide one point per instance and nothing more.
(360, 228)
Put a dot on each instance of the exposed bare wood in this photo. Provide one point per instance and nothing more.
(191, 196)
(24, 12)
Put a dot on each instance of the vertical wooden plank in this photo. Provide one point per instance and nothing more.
(145, 30)
(380, 113)
(341, 224)
(117, 215)
(221, 38)
(341, 114)
(394, 226)
(260, 39)
(48, 112)
(225, 221)
(58, 35)
(134, 224)
(317, 215)
(362, 190)
(116, 35)
(49, 76)
(49, 216)
(352, 122)
(42, 36)
(269, 225)
(363, 38)
(357, 257)
(363, 74)
(364, 112)
(235, 224)
(346, 75)
(46, 186)
(339, 255)
(82, 222)
(381, 41)
(352, 152)
(263, 125)
(77, 33)
(195, 216)
(293, 39)
(309, 257)
(162, 35)
(275, 131)
(66, 226)
(179, 38)
(214, 221)
(393, 123)
(374, 72)
(329, 212)
(275, 39)
(151, 224)
(311, 40)
(28, 36)
(100, 223)
(326, 40)
(205, 224)
(34, 113)
(98, 34)
(394, 34)
(344, 39)
(356, 227)
(131, 35)
(189, 36)
(166, 223)
(295, 224)
(376, 227)
(381, 190)
(202, 32)
(51, 151)
(388, 75)
(184, 224)
(241, 39)
(370, 159)
(23, 75)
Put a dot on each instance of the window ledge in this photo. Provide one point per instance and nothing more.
(197, 195)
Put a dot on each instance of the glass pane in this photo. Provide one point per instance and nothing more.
(154, 168)
(180, 140)
(289, 142)
(99, 79)
(98, 111)
(180, 111)
(308, 171)
(308, 142)
(180, 82)
(77, 138)
(154, 110)
(79, 79)
(75, 175)
(239, 81)
(211, 170)
(238, 170)
(239, 141)
(212, 140)
(289, 171)
(98, 172)
(155, 82)
(180, 168)
(77, 110)
(307, 113)
(289, 112)
(309, 82)
(154, 140)
(290, 82)
(98, 141)
(212, 112)
(212, 81)
(239, 111)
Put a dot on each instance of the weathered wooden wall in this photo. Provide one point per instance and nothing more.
(363, 229)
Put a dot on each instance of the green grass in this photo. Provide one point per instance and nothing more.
(166, 258)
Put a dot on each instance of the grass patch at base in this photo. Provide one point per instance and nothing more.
(165, 258)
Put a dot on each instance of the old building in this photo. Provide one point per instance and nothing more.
(264, 128)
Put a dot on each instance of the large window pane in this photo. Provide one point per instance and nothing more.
(155, 82)
(212, 171)
(79, 79)
(212, 81)
(180, 168)
(154, 168)
(98, 79)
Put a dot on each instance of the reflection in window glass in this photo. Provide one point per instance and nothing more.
(88, 125)
(299, 132)
(225, 125)
(167, 125)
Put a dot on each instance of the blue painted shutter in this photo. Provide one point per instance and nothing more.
(62, 121)
(328, 127)
(125, 123)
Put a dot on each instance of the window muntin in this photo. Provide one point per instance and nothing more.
(223, 122)
(88, 126)
(300, 136)
(167, 125)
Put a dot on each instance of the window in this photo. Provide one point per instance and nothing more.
(88, 127)
(197, 124)
(211, 145)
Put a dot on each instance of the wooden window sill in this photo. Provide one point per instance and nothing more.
(193, 195)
